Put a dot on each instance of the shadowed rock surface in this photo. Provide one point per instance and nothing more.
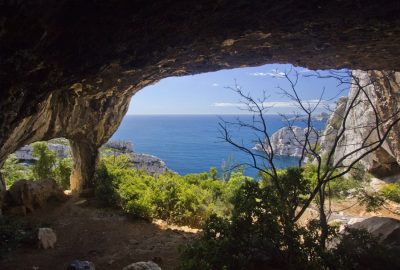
(69, 68)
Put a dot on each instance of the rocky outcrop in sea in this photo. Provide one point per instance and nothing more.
(288, 141)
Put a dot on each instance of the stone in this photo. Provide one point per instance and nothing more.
(383, 89)
(387, 229)
(32, 194)
(81, 265)
(288, 141)
(142, 266)
(47, 238)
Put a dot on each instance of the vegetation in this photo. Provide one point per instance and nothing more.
(13, 171)
(391, 192)
(260, 234)
(14, 234)
(189, 199)
(47, 165)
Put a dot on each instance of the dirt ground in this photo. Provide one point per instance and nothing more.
(103, 236)
(112, 241)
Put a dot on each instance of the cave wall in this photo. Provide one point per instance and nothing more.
(68, 68)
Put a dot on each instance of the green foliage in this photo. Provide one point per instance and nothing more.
(188, 200)
(63, 171)
(260, 233)
(13, 171)
(14, 234)
(391, 192)
(372, 201)
(340, 187)
(44, 166)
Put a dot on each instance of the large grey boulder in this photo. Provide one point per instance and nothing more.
(387, 229)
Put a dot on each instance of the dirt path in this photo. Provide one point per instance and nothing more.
(102, 236)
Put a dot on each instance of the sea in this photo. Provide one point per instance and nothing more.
(193, 143)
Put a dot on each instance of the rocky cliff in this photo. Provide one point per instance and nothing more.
(382, 89)
(288, 141)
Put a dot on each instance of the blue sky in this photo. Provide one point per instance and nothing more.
(207, 93)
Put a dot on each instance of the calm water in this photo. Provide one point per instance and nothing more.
(191, 143)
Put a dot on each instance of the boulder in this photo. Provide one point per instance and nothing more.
(288, 141)
(33, 194)
(387, 229)
(81, 265)
(142, 266)
(47, 238)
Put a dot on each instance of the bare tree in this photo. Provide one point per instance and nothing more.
(329, 166)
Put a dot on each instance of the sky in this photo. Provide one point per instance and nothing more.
(209, 93)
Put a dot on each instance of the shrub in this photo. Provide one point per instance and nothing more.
(391, 192)
(44, 166)
(188, 200)
(260, 234)
(63, 171)
(13, 171)
(14, 234)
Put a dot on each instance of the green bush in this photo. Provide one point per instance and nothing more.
(13, 171)
(44, 166)
(340, 187)
(391, 192)
(260, 234)
(14, 234)
(188, 199)
(63, 171)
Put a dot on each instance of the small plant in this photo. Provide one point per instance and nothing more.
(391, 192)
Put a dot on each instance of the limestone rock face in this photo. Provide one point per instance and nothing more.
(383, 89)
(333, 125)
(68, 69)
(288, 141)
(31, 194)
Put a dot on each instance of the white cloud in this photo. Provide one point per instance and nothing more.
(273, 73)
(215, 84)
(280, 104)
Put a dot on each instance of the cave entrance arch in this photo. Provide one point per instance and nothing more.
(65, 67)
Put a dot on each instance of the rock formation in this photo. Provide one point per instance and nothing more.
(69, 68)
(387, 229)
(288, 141)
(383, 89)
(28, 195)
(47, 238)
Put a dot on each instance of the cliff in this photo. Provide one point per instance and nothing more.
(288, 141)
(383, 91)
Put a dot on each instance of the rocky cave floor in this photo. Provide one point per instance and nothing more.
(111, 241)
(103, 236)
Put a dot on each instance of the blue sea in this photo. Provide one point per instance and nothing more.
(192, 143)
